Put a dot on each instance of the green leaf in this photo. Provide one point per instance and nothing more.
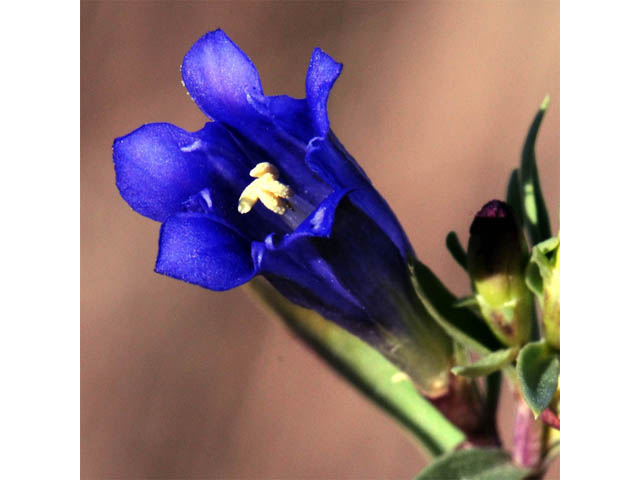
(535, 210)
(473, 464)
(367, 370)
(538, 368)
(458, 253)
(487, 364)
(461, 323)
(514, 197)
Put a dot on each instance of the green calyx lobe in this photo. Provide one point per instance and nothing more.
(543, 278)
(497, 258)
(551, 303)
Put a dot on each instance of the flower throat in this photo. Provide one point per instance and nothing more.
(274, 195)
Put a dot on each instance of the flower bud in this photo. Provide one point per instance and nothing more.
(497, 257)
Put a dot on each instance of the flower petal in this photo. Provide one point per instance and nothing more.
(368, 264)
(329, 160)
(292, 264)
(297, 271)
(199, 249)
(340, 263)
(293, 116)
(321, 75)
(377, 208)
(343, 312)
(218, 75)
(320, 222)
(156, 171)
(224, 83)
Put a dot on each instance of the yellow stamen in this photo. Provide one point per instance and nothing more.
(267, 189)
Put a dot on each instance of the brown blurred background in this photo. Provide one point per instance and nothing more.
(434, 102)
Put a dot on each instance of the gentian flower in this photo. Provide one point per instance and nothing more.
(266, 188)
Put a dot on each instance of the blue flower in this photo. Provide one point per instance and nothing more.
(310, 220)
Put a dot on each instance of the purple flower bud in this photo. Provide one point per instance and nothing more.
(497, 257)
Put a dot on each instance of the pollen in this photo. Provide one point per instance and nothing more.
(273, 194)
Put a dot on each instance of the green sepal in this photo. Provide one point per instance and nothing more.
(460, 323)
(537, 370)
(461, 355)
(367, 370)
(474, 464)
(533, 279)
(514, 196)
(535, 210)
(540, 266)
(456, 250)
(487, 364)
(469, 301)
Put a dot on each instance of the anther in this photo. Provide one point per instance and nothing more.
(266, 188)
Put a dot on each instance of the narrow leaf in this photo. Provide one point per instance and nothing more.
(455, 249)
(514, 197)
(487, 364)
(535, 210)
(367, 370)
(473, 464)
(538, 368)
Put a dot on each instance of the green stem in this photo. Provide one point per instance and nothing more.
(367, 370)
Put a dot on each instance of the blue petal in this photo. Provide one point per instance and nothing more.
(225, 85)
(155, 173)
(199, 249)
(293, 116)
(321, 75)
(232, 158)
(368, 264)
(162, 169)
(281, 127)
(341, 264)
(320, 222)
(329, 159)
(345, 313)
(297, 271)
(279, 149)
(219, 76)
(376, 207)
(293, 265)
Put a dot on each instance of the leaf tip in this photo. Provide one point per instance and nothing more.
(545, 102)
